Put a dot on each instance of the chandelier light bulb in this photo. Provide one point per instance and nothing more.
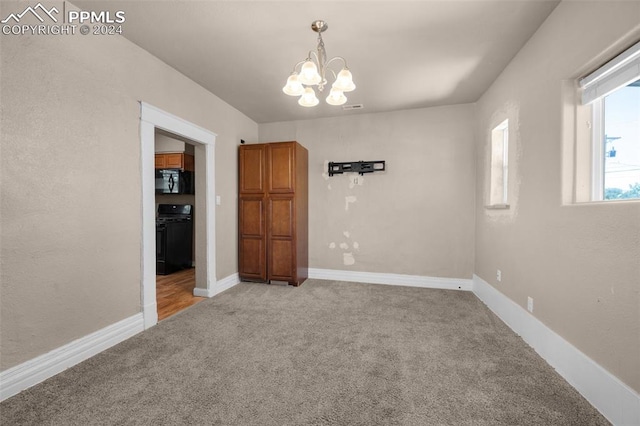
(336, 97)
(344, 81)
(308, 98)
(293, 86)
(309, 74)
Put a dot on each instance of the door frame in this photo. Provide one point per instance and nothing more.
(152, 118)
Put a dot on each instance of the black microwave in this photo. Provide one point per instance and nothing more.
(174, 181)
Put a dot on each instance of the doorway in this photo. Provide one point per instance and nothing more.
(175, 233)
(152, 120)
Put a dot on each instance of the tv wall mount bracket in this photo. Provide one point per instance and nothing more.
(360, 167)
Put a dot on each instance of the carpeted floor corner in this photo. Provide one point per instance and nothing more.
(325, 353)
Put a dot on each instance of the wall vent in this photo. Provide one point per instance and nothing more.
(350, 107)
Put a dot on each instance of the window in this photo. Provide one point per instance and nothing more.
(499, 165)
(617, 144)
(613, 93)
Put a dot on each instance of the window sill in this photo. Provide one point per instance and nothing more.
(604, 202)
(498, 207)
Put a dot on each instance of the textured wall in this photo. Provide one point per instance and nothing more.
(416, 217)
(71, 195)
(580, 263)
(165, 143)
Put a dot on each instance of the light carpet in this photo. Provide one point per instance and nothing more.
(325, 353)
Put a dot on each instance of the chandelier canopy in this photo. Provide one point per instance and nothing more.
(312, 72)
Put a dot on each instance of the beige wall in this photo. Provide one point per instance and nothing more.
(416, 217)
(164, 143)
(71, 194)
(580, 263)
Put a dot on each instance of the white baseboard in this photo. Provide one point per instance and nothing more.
(392, 279)
(36, 370)
(150, 313)
(615, 400)
(220, 286)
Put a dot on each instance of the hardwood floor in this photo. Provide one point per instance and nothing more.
(174, 292)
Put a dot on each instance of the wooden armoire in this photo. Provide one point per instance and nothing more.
(273, 212)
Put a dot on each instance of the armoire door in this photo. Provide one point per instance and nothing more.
(252, 169)
(281, 167)
(281, 242)
(252, 238)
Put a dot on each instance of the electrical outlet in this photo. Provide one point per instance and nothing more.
(530, 304)
(499, 275)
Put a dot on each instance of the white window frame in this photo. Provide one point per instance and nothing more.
(499, 136)
(597, 150)
(619, 72)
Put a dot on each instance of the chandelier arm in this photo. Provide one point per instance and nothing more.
(297, 65)
(311, 52)
(344, 61)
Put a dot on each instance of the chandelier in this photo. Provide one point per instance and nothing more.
(313, 72)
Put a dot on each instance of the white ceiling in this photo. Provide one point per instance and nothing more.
(403, 54)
